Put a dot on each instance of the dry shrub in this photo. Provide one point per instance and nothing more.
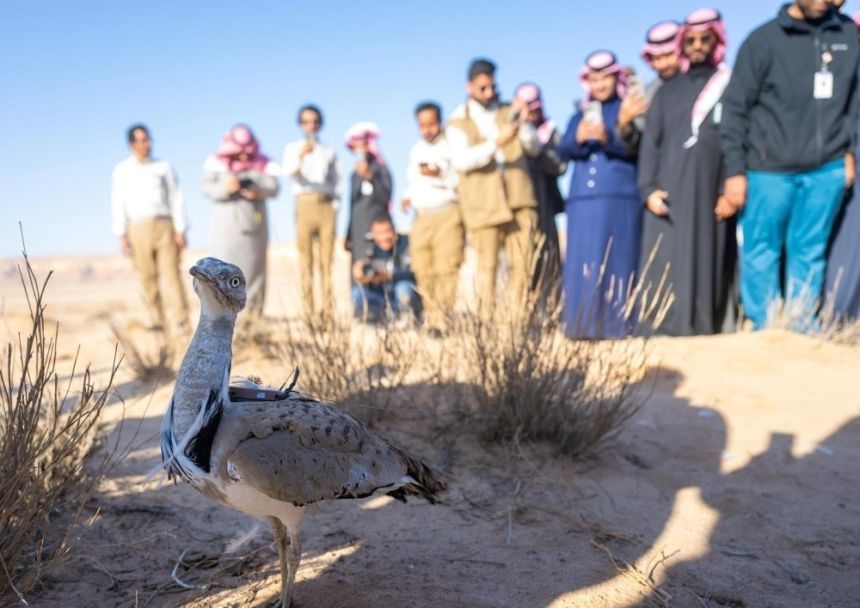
(46, 432)
(531, 383)
(360, 367)
(510, 377)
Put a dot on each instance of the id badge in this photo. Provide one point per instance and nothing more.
(718, 113)
(823, 85)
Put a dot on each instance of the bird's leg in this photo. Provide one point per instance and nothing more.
(280, 534)
(294, 556)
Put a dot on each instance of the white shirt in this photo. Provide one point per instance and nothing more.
(467, 158)
(318, 171)
(145, 190)
(425, 191)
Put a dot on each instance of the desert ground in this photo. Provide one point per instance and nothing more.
(736, 485)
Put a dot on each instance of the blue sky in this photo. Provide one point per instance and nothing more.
(76, 74)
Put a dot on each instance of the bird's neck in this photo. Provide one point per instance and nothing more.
(202, 369)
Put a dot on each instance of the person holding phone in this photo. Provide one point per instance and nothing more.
(661, 54)
(688, 227)
(604, 214)
(489, 144)
(313, 168)
(241, 179)
(437, 239)
(370, 185)
(544, 169)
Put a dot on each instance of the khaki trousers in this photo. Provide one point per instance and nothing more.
(436, 249)
(315, 217)
(517, 237)
(155, 256)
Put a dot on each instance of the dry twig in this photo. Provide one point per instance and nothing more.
(47, 430)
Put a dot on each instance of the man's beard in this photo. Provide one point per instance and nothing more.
(705, 61)
(487, 105)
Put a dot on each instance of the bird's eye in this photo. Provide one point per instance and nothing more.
(234, 282)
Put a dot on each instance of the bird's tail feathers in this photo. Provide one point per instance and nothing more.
(420, 480)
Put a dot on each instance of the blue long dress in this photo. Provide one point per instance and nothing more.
(843, 263)
(604, 223)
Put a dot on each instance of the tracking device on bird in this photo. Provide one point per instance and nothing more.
(238, 393)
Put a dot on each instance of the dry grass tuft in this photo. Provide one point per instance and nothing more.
(835, 327)
(819, 318)
(46, 432)
(531, 383)
(359, 367)
(845, 332)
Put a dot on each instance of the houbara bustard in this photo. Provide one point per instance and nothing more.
(270, 458)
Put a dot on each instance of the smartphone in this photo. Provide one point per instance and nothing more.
(634, 84)
(514, 117)
(593, 112)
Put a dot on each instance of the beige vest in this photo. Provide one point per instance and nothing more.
(488, 194)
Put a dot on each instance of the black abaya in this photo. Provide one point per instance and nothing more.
(699, 251)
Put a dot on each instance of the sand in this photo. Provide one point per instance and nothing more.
(737, 484)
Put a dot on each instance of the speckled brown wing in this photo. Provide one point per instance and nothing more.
(302, 451)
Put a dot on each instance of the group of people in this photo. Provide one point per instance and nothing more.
(726, 187)
(743, 174)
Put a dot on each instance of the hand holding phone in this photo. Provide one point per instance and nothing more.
(593, 112)
(634, 85)
(428, 169)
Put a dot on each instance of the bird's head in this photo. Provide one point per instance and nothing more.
(219, 285)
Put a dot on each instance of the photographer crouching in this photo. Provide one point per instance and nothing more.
(383, 280)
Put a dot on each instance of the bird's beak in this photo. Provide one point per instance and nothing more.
(198, 273)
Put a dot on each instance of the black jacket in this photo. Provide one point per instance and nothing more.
(771, 120)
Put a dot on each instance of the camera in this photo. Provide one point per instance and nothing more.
(373, 267)
(246, 183)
